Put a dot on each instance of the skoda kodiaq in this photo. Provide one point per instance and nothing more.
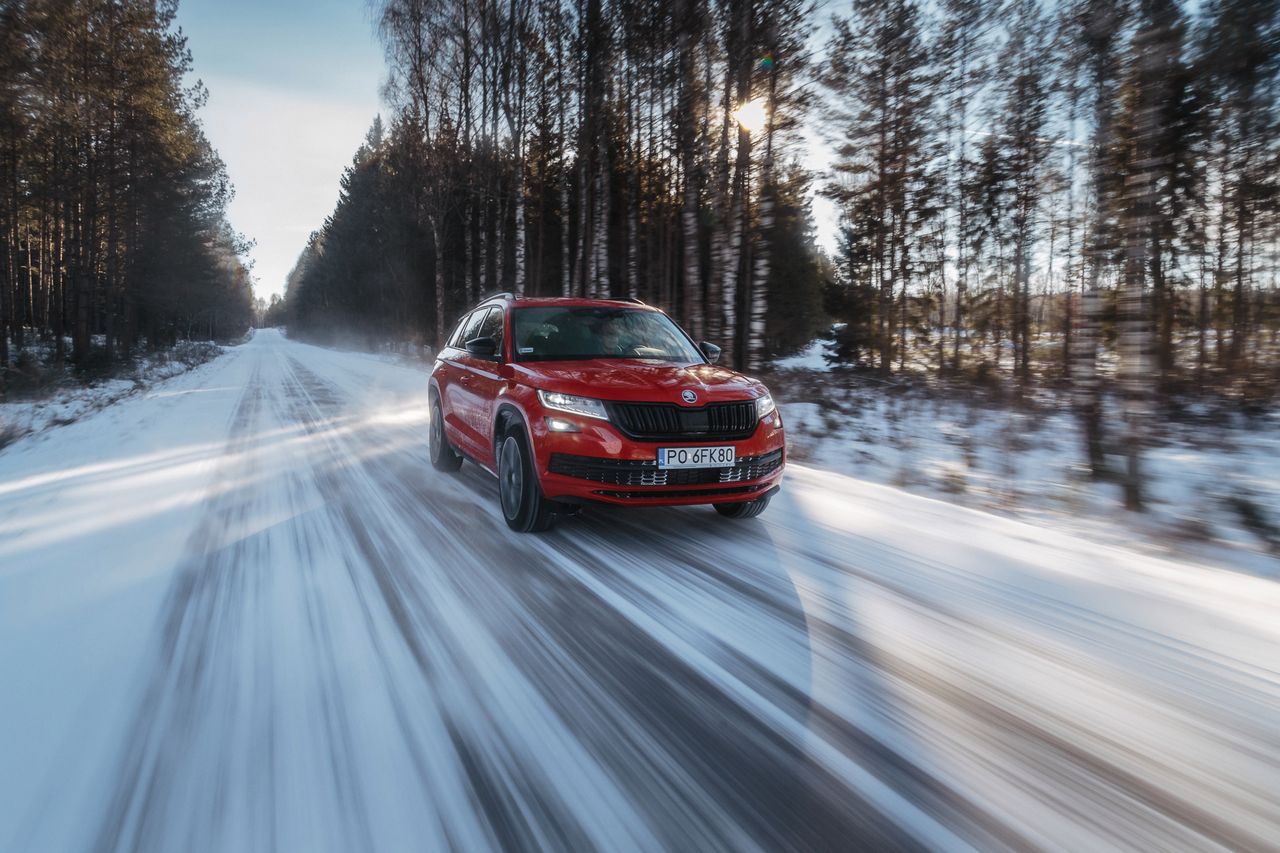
(570, 401)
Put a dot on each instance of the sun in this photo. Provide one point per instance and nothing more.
(752, 115)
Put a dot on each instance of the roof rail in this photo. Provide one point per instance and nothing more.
(499, 295)
(631, 299)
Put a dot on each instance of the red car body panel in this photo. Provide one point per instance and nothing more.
(476, 392)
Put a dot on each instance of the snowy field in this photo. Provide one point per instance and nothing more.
(239, 611)
(1213, 482)
(62, 401)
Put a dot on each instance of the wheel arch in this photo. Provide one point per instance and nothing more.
(509, 413)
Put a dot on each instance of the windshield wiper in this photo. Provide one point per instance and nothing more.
(602, 356)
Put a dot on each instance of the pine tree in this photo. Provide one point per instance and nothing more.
(879, 79)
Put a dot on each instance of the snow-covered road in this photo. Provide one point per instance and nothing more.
(243, 613)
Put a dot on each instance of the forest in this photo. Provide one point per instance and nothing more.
(1057, 193)
(113, 226)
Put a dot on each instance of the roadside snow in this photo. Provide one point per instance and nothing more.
(1212, 488)
(66, 404)
(812, 357)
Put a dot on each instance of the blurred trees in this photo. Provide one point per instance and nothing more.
(797, 273)
(1003, 173)
(1109, 220)
(880, 106)
(112, 202)
(269, 313)
(1069, 193)
(1063, 179)
(591, 148)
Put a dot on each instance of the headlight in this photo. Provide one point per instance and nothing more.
(764, 405)
(574, 405)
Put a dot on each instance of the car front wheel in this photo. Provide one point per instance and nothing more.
(748, 509)
(524, 507)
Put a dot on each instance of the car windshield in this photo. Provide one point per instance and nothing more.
(562, 333)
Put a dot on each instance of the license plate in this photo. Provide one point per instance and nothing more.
(697, 457)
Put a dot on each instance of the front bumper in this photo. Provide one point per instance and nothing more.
(598, 463)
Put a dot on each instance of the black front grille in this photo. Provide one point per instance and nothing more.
(645, 472)
(669, 422)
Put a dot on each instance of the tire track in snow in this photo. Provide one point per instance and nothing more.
(196, 618)
(517, 799)
(638, 553)
(612, 683)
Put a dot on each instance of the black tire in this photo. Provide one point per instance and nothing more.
(749, 509)
(443, 456)
(520, 497)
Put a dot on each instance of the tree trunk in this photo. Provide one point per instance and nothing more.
(518, 285)
(716, 329)
(691, 285)
(758, 287)
(438, 263)
(733, 250)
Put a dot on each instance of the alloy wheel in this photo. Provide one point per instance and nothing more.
(511, 477)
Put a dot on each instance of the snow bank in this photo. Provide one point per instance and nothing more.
(67, 403)
(1212, 488)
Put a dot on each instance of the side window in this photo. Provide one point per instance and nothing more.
(469, 328)
(492, 327)
(455, 340)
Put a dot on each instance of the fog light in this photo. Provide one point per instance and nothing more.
(561, 425)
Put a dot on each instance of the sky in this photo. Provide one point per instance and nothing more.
(293, 87)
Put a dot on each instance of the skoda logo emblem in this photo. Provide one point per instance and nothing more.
(688, 396)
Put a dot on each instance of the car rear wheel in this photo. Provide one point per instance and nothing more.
(524, 507)
(443, 456)
(748, 509)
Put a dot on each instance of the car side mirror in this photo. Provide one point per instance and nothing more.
(482, 347)
(710, 350)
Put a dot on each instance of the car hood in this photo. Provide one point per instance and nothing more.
(640, 380)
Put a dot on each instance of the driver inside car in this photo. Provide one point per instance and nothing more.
(612, 340)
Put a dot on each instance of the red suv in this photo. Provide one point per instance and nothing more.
(570, 401)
